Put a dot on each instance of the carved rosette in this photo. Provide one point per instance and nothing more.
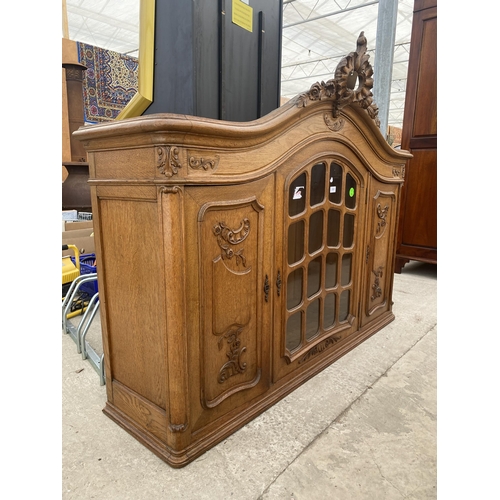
(167, 160)
(352, 84)
(227, 237)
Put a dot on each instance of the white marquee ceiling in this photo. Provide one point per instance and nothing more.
(316, 35)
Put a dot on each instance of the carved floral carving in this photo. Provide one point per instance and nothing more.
(352, 84)
(319, 348)
(198, 163)
(336, 124)
(167, 160)
(227, 236)
(382, 214)
(377, 289)
(234, 364)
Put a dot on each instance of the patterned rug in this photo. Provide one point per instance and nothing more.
(109, 82)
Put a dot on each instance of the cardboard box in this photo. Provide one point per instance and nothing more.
(83, 239)
(74, 225)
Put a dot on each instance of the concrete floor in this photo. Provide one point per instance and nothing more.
(364, 428)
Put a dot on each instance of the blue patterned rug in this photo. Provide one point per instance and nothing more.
(109, 82)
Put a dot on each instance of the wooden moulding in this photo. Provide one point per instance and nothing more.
(192, 221)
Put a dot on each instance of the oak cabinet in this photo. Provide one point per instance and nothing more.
(237, 260)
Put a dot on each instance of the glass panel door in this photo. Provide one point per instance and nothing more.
(321, 229)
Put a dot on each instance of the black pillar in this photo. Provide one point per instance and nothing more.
(207, 65)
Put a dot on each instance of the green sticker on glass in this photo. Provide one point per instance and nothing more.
(351, 192)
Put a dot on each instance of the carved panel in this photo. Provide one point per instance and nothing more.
(380, 250)
(230, 252)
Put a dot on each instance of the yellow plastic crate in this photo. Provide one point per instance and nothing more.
(69, 271)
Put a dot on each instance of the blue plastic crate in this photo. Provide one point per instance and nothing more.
(88, 266)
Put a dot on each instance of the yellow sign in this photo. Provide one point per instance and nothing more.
(242, 15)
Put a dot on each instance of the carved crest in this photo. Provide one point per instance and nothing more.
(352, 84)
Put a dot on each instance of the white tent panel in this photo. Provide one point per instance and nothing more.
(316, 35)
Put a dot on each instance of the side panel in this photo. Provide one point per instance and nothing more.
(131, 246)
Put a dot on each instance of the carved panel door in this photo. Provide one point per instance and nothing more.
(379, 257)
(235, 235)
(322, 229)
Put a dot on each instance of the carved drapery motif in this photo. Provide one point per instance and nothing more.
(167, 160)
(352, 84)
(227, 237)
(234, 364)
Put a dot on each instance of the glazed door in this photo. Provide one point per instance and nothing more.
(319, 262)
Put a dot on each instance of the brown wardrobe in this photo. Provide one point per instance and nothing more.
(417, 233)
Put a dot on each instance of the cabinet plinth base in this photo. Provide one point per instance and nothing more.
(217, 431)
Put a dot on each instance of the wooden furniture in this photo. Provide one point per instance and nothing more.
(237, 260)
(75, 169)
(417, 233)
